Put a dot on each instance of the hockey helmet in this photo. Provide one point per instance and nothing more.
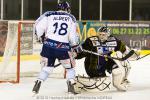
(64, 6)
(103, 33)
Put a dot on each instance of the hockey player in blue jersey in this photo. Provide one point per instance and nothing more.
(58, 32)
(97, 66)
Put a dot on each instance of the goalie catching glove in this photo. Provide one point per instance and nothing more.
(131, 55)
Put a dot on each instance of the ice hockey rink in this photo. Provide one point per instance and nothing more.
(56, 89)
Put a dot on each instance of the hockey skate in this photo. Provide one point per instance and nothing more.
(126, 81)
(36, 87)
(71, 87)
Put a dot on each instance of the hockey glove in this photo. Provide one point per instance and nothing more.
(40, 39)
(78, 49)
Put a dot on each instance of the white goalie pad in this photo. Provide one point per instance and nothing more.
(124, 65)
(87, 84)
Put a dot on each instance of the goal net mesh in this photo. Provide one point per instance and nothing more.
(20, 56)
(9, 57)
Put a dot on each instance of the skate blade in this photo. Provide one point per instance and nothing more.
(73, 93)
(34, 94)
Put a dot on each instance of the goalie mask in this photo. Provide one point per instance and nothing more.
(103, 33)
(64, 6)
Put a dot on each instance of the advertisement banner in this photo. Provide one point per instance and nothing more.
(134, 34)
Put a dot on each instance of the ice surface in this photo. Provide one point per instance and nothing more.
(56, 89)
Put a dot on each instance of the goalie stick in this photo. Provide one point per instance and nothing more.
(57, 65)
(97, 54)
(121, 59)
(143, 56)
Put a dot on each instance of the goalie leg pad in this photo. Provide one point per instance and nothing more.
(125, 65)
(127, 68)
(118, 76)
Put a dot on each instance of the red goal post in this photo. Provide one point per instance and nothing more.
(21, 50)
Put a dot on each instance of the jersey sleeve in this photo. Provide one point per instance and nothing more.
(73, 35)
(87, 45)
(120, 46)
(41, 25)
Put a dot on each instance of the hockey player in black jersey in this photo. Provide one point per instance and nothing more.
(105, 44)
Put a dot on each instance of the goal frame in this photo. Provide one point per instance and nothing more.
(18, 54)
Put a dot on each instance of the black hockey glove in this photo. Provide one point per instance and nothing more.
(41, 39)
(78, 49)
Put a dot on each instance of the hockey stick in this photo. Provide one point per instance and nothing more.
(57, 65)
(97, 54)
(121, 59)
(143, 56)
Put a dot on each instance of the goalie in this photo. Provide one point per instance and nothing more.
(105, 44)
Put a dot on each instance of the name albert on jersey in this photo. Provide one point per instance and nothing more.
(59, 27)
(61, 18)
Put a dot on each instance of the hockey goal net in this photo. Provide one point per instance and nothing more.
(20, 53)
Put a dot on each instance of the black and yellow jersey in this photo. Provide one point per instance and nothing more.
(96, 65)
